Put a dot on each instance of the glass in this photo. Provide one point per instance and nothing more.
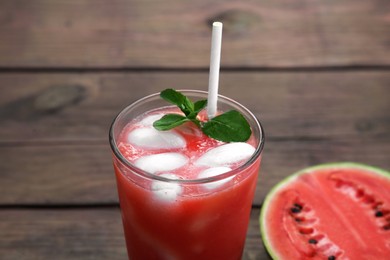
(201, 223)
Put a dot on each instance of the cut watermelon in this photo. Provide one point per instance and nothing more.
(330, 211)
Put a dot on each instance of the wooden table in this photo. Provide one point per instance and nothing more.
(316, 73)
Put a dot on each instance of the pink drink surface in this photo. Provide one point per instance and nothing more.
(177, 220)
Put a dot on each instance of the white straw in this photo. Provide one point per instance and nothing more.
(215, 59)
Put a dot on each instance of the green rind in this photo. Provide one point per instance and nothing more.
(295, 175)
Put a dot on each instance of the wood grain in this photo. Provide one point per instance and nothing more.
(173, 33)
(72, 107)
(61, 234)
(81, 234)
(83, 174)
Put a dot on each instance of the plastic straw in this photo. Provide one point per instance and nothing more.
(215, 59)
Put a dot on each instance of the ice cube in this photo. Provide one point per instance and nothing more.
(211, 172)
(226, 154)
(148, 137)
(161, 162)
(166, 191)
(149, 120)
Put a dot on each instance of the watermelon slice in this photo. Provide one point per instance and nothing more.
(330, 211)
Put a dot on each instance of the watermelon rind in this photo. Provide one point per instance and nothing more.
(287, 180)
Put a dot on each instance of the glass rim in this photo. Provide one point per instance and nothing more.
(145, 174)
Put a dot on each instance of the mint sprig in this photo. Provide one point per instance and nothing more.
(230, 126)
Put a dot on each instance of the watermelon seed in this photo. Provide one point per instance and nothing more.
(359, 193)
(296, 208)
(332, 257)
(379, 214)
(386, 227)
(339, 183)
(368, 199)
(306, 231)
(377, 205)
(313, 241)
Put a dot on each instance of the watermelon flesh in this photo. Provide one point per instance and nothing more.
(332, 211)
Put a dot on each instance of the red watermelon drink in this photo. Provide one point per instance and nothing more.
(183, 195)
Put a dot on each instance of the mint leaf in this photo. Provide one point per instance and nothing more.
(198, 106)
(169, 121)
(177, 98)
(228, 127)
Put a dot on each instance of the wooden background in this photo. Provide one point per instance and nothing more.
(316, 73)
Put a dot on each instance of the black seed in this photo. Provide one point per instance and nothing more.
(379, 214)
(298, 205)
(332, 257)
(386, 227)
(296, 208)
(298, 220)
(312, 241)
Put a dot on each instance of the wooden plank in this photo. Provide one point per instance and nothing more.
(81, 234)
(74, 107)
(83, 174)
(254, 247)
(173, 33)
(61, 234)
(56, 174)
